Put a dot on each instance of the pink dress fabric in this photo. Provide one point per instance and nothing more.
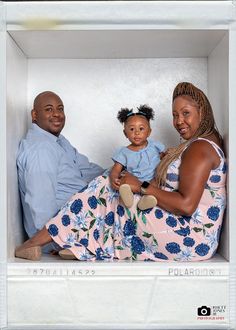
(95, 225)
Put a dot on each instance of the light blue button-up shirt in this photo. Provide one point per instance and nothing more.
(50, 171)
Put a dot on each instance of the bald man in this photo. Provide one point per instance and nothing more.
(50, 169)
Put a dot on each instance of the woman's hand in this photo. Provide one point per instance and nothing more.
(131, 180)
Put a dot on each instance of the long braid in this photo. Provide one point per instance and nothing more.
(207, 127)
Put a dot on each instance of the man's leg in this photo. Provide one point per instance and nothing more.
(31, 249)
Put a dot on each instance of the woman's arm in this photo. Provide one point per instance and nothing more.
(115, 175)
(197, 162)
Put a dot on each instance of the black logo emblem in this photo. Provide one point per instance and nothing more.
(204, 311)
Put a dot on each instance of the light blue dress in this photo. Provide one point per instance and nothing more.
(141, 163)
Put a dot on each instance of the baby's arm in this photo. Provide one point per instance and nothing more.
(115, 175)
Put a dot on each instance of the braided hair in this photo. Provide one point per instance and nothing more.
(143, 110)
(206, 128)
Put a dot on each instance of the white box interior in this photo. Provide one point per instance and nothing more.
(100, 56)
(98, 72)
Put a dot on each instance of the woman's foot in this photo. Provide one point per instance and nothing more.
(31, 253)
(147, 202)
(126, 195)
(67, 254)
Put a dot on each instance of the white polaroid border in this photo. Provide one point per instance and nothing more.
(122, 295)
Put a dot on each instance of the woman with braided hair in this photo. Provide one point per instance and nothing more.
(189, 188)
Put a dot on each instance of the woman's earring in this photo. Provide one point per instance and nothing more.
(180, 140)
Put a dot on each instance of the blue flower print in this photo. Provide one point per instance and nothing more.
(213, 213)
(212, 239)
(129, 228)
(137, 245)
(109, 219)
(171, 221)
(93, 185)
(173, 177)
(188, 241)
(183, 231)
(158, 214)
(173, 247)
(65, 220)
(96, 234)
(224, 168)
(76, 206)
(84, 242)
(160, 255)
(147, 211)
(53, 230)
(185, 255)
(181, 220)
(120, 210)
(215, 178)
(66, 246)
(186, 218)
(99, 254)
(70, 239)
(92, 202)
(202, 249)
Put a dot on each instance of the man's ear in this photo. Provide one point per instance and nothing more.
(34, 116)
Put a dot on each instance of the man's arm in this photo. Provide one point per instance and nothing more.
(88, 170)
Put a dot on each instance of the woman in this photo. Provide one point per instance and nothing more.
(190, 192)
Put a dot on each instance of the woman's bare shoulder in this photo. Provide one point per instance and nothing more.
(202, 149)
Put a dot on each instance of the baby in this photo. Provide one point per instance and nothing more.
(139, 158)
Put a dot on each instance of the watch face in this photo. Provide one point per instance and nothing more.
(145, 184)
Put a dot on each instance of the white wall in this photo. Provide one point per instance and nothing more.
(218, 80)
(16, 128)
(94, 90)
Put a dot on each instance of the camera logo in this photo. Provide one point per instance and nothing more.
(204, 311)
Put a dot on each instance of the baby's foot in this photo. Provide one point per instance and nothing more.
(32, 253)
(147, 202)
(126, 195)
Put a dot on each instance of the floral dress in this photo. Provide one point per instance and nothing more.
(94, 224)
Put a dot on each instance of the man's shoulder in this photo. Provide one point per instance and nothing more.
(33, 147)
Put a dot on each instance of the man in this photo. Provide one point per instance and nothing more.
(50, 170)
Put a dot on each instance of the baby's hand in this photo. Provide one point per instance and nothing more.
(115, 183)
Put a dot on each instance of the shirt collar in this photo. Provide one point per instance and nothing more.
(36, 128)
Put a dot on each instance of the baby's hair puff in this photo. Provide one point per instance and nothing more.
(146, 111)
(124, 114)
(143, 110)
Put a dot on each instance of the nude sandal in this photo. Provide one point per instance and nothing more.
(32, 253)
(126, 195)
(67, 254)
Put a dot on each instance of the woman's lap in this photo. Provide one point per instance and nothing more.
(95, 226)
